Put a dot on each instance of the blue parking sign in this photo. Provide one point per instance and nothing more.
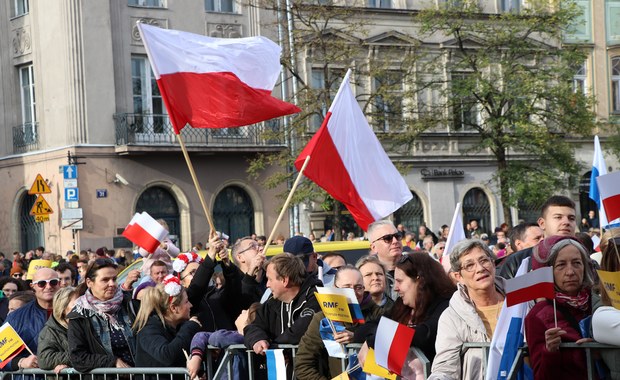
(72, 194)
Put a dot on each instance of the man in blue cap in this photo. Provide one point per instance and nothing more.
(302, 247)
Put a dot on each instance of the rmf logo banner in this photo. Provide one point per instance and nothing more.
(10, 344)
(335, 307)
(611, 284)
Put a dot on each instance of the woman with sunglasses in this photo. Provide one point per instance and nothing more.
(605, 326)
(472, 314)
(53, 353)
(424, 290)
(100, 332)
(573, 280)
(163, 325)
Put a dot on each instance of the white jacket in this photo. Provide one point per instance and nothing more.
(460, 324)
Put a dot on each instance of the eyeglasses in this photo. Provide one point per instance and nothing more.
(357, 288)
(253, 245)
(470, 266)
(43, 283)
(191, 273)
(389, 237)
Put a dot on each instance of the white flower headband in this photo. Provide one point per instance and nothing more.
(172, 286)
(183, 259)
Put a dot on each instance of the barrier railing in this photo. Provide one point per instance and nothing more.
(105, 373)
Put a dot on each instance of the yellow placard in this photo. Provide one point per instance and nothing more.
(37, 264)
(371, 366)
(10, 341)
(41, 218)
(335, 307)
(342, 376)
(39, 186)
(41, 207)
(611, 284)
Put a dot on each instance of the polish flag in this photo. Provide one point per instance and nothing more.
(215, 82)
(609, 188)
(535, 284)
(392, 343)
(349, 162)
(145, 232)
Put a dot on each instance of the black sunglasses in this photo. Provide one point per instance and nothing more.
(389, 237)
(43, 283)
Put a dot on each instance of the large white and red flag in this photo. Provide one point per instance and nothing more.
(349, 162)
(145, 232)
(535, 284)
(215, 82)
(609, 188)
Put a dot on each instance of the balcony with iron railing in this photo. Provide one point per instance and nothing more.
(136, 132)
(25, 138)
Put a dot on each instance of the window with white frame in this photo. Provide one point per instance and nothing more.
(615, 85)
(466, 113)
(380, 3)
(388, 101)
(511, 5)
(148, 104)
(222, 6)
(579, 79)
(147, 3)
(28, 103)
(20, 7)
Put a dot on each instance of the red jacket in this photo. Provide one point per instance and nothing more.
(565, 364)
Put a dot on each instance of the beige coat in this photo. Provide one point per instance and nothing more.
(459, 324)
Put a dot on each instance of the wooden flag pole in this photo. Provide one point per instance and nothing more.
(285, 207)
(195, 179)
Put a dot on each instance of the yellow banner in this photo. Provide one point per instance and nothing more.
(335, 307)
(37, 264)
(10, 341)
(611, 284)
(371, 366)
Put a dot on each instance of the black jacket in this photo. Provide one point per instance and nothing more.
(162, 346)
(509, 267)
(86, 350)
(278, 322)
(215, 308)
(53, 345)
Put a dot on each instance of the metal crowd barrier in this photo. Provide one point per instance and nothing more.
(99, 373)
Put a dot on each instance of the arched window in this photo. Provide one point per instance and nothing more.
(161, 204)
(585, 203)
(31, 232)
(615, 85)
(476, 206)
(411, 215)
(233, 213)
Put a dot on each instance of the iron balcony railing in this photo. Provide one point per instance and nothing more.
(25, 137)
(152, 129)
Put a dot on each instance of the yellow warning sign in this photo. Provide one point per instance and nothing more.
(39, 186)
(40, 207)
(41, 218)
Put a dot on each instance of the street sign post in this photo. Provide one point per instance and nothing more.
(72, 194)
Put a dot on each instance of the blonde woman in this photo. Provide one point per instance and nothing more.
(163, 325)
(53, 353)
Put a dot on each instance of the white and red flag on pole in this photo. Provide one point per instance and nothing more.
(609, 188)
(535, 284)
(349, 162)
(392, 343)
(145, 232)
(215, 82)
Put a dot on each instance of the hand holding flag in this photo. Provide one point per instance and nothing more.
(392, 344)
(11, 344)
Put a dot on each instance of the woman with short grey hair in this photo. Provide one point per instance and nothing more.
(472, 314)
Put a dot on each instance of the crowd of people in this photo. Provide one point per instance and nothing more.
(76, 314)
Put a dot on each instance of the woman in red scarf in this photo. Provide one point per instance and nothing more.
(573, 277)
